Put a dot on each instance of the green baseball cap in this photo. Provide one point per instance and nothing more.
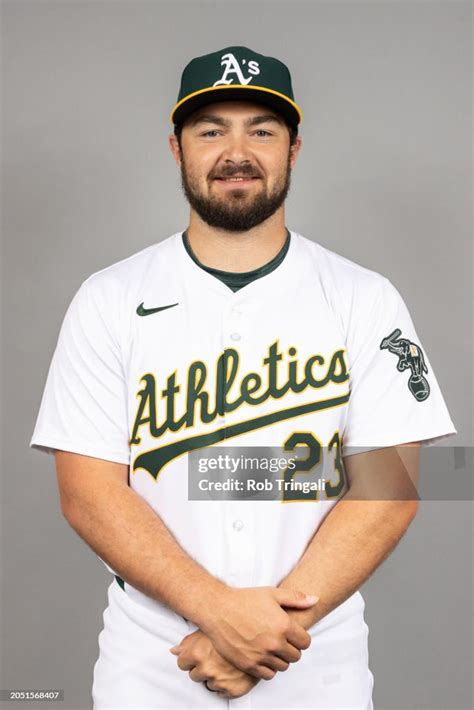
(233, 74)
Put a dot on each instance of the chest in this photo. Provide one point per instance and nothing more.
(236, 370)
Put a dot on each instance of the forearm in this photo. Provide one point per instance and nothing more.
(353, 540)
(130, 537)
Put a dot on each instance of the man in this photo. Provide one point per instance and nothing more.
(242, 333)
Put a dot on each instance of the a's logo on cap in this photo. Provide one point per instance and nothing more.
(232, 67)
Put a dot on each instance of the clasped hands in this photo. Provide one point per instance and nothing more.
(245, 637)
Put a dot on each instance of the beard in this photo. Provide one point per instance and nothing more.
(234, 210)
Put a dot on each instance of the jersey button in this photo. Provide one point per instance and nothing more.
(237, 525)
(235, 336)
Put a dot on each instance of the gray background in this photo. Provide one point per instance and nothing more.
(383, 179)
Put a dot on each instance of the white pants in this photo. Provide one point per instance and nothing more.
(135, 668)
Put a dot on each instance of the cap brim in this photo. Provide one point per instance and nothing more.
(237, 92)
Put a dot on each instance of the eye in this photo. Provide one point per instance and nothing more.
(213, 130)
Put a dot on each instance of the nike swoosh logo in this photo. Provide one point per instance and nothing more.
(142, 311)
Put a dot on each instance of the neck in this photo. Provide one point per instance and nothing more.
(237, 251)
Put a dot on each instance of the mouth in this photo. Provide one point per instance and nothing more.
(237, 181)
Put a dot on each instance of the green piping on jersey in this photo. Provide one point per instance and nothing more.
(236, 280)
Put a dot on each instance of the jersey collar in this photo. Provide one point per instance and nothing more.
(280, 278)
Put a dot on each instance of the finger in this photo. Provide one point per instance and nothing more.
(185, 662)
(276, 663)
(265, 673)
(212, 684)
(175, 650)
(199, 675)
(283, 651)
(289, 653)
(262, 672)
(294, 598)
(298, 636)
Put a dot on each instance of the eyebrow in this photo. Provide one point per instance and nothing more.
(254, 121)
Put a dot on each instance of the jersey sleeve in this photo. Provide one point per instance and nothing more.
(394, 394)
(84, 403)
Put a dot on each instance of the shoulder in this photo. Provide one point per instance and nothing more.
(106, 299)
(350, 289)
(127, 273)
(331, 265)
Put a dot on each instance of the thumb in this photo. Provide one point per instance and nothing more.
(175, 649)
(292, 597)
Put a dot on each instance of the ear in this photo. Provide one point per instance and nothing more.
(294, 150)
(174, 147)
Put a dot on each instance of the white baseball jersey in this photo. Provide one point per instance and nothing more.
(157, 358)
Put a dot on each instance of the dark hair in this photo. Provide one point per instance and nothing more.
(293, 131)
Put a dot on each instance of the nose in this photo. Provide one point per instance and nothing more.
(236, 149)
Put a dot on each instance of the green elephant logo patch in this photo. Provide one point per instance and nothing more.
(410, 356)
